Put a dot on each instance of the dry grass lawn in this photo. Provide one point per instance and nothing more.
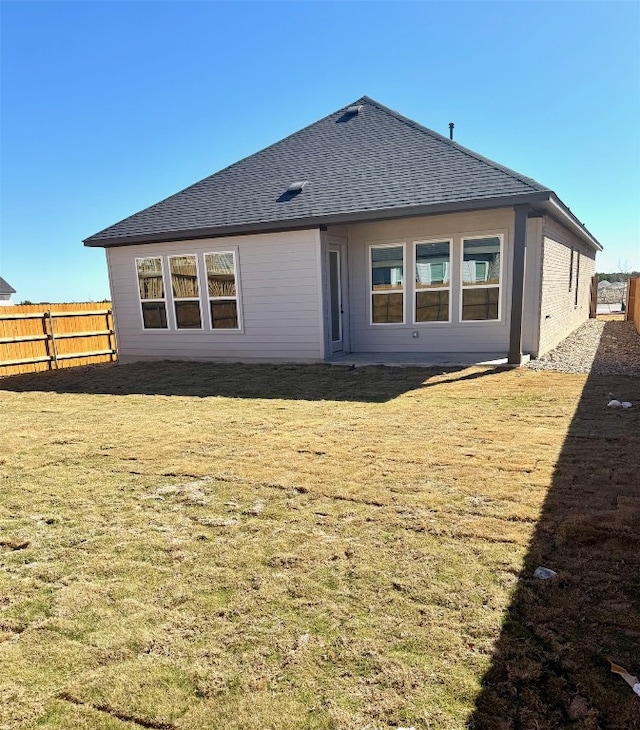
(615, 317)
(209, 547)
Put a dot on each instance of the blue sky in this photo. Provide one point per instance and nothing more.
(108, 107)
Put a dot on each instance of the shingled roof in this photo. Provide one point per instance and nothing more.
(372, 164)
(6, 288)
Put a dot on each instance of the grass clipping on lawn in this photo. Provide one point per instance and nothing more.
(200, 546)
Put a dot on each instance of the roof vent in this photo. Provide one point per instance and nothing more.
(353, 110)
(296, 187)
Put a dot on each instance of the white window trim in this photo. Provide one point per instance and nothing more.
(449, 288)
(402, 291)
(500, 286)
(237, 297)
(164, 299)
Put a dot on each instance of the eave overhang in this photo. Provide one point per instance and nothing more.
(535, 199)
(544, 201)
(555, 207)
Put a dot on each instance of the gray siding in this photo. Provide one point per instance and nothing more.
(280, 298)
(559, 314)
(340, 231)
(456, 336)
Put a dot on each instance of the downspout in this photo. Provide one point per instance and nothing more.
(517, 283)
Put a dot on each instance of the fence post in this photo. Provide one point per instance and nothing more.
(633, 302)
(112, 344)
(593, 299)
(47, 337)
(52, 336)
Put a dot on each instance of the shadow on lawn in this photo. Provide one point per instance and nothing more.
(549, 668)
(374, 384)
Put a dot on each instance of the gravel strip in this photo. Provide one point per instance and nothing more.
(601, 348)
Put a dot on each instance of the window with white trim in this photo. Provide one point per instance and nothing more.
(432, 281)
(152, 294)
(386, 265)
(186, 292)
(481, 278)
(222, 290)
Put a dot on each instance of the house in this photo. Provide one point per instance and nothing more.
(362, 233)
(612, 297)
(5, 292)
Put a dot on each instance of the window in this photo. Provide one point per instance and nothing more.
(151, 289)
(575, 302)
(433, 265)
(571, 270)
(222, 290)
(387, 284)
(186, 295)
(481, 261)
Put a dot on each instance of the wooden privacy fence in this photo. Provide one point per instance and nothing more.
(35, 337)
(633, 302)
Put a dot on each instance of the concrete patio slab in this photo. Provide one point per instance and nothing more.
(423, 359)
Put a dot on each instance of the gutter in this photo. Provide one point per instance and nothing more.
(561, 211)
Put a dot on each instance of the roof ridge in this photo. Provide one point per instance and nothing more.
(224, 169)
(455, 145)
(5, 287)
(277, 142)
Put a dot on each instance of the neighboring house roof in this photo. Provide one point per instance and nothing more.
(604, 284)
(6, 288)
(357, 166)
